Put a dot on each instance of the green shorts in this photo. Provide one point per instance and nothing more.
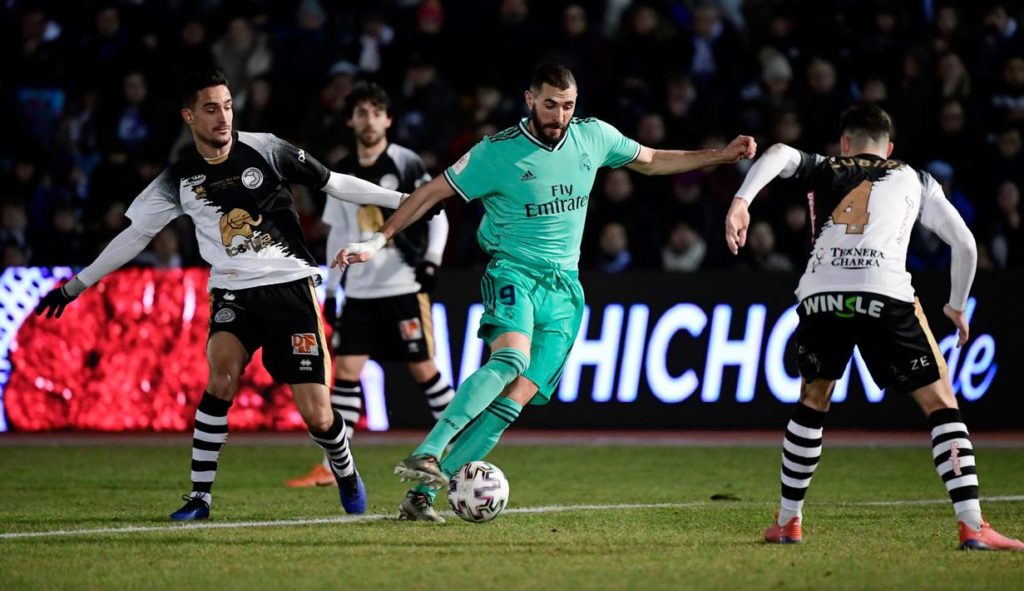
(544, 304)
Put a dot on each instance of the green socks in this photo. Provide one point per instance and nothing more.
(473, 396)
(479, 438)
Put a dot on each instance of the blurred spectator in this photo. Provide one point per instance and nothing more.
(1002, 37)
(1007, 161)
(512, 68)
(793, 239)
(645, 38)
(35, 57)
(135, 123)
(717, 62)
(260, 112)
(943, 173)
(14, 224)
(193, 48)
(426, 104)
(927, 252)
(761, 255)
(302, 52)
(772, 95)
(954, 81)
(1008, 98)
(1008, 234)
(327, 121)
(947, 35)
(103, 231)
(954, 142)
(242, 54)
(60, 241)
(681, 123)
(102, 54)
(13, 255)
(689, 205)
(619, 202)
(685, 250)
(584, 50)
(822, 105)
(613, 249)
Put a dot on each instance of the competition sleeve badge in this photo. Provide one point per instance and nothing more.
(459, 166)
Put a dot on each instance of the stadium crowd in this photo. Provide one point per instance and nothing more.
(91, 116)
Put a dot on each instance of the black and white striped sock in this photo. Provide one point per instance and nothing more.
(334, 442)
(954, 461)
(208, 437)
(801, 450)
(439, 393)
(347, 399)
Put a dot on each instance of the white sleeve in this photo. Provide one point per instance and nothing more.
(124, 247)
(437, 237)
(939, 216)
(156, 206)
(355, 190)
(779, 160)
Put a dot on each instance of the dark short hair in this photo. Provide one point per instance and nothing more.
(194, 82)
(367, 92)
(552, 73)
(867, 120)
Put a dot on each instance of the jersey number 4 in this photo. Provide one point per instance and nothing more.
(853, 209)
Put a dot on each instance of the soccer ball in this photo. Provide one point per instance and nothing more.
(478, 492)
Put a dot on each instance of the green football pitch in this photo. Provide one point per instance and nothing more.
(579, 517)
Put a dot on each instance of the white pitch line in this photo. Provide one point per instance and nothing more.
(379, 517)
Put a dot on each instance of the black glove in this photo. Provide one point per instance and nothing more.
(330, 310)
(426, 276)
(54, 302)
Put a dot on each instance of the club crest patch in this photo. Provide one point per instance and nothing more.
(224, 315)
(252, 177)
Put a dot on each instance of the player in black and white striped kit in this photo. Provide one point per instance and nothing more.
(235, 187)
(856, 291)
(386, 312)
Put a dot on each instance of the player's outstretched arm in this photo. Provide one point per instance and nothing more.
(778, 160)
(124, 247)
(414, 207)
(939, 216)
(654, 162)
(355, 190)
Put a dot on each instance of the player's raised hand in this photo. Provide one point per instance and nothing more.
(359, 252)
(736, 223)
(54, 302)
(959, 318)
(742, 147)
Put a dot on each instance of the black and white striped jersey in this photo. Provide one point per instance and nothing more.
(392, 270)
(863, 209)
(242, 209)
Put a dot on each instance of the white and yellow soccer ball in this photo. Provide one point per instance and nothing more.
(478, 492)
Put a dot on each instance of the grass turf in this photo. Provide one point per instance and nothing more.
(709, 544)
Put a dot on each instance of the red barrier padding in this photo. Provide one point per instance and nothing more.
(130, 355)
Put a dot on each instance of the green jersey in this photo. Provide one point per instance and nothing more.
(535, 196)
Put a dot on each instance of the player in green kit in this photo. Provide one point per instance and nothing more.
(534, 180)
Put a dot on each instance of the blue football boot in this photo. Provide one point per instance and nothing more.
(195, 508)
(352, 493)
